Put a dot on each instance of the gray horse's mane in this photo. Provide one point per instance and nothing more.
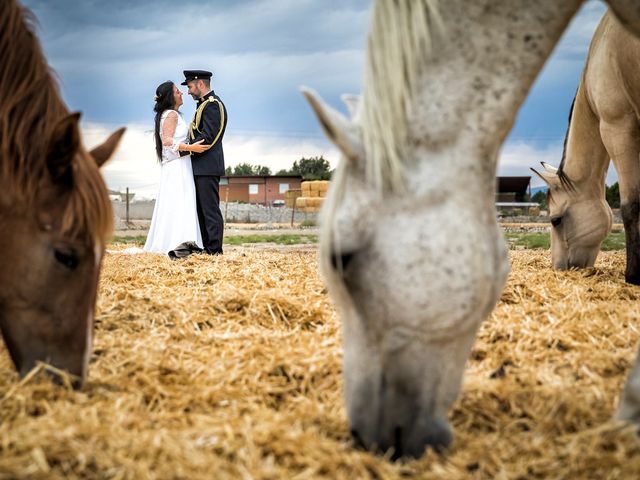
(399, 45)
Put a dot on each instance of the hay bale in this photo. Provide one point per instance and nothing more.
(314, 188)
(323, 186)
(301, 202)
(314, 202)
(290, 197)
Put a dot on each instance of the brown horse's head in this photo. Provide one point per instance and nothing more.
(55, 213)
(51, 247)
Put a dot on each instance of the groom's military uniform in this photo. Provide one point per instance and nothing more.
(209, 124)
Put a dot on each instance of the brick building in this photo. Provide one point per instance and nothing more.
(262, 189)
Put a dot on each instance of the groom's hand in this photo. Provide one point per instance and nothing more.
(197, 147)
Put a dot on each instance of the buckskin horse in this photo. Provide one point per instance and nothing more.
(603, 125)
(410, 246)
(55, 213)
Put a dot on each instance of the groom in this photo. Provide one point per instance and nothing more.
(208, 125)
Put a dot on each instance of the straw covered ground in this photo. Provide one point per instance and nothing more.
(229, 367)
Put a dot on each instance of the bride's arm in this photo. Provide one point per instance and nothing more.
(169, 129)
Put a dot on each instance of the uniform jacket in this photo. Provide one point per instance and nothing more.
(209, 125)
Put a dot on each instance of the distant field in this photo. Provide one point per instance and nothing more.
(535, 240)
(284, 239)
(516, 240)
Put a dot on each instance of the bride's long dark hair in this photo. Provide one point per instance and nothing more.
(164, 101)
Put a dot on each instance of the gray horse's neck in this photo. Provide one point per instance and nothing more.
(463, 109)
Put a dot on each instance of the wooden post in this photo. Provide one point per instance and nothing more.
(127, 208)
(226, 201)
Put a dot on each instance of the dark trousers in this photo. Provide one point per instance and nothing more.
(209, 214)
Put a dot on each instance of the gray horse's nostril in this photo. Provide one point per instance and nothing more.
(357, 440)
(397, 442)
(437, 436)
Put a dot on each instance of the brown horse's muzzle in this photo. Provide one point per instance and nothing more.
(32, 341)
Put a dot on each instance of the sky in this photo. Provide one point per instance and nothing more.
(111, 55)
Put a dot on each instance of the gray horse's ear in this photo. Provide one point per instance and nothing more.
(352, 102)
(549, 168)
(547, 177)
(344, 134)
(103, 152)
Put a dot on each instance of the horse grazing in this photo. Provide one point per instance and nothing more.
(603, 125)
(55, 213)
(410, 246)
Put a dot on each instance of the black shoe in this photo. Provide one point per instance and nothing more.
(184, 250)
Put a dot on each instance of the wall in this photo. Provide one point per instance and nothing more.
(233, 212)
(237, 189)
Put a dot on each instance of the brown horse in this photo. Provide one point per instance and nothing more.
(55, 214)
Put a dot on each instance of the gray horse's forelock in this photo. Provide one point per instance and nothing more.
(400, 42)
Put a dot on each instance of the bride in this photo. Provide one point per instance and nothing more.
(175, 218)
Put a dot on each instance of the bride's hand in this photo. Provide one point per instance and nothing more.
(198, 147)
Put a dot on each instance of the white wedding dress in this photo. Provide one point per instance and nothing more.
(175, 219)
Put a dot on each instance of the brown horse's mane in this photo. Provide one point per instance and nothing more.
(30, 109)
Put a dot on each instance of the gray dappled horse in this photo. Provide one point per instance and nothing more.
(55, 213)
(410, 245)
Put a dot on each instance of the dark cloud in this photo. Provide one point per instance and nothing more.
(110, 56)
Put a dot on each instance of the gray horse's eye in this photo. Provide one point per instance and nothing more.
(557, 220)
(340, 261)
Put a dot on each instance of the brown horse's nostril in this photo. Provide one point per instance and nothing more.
(62, 380)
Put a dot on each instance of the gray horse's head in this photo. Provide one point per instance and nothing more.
(413, 274)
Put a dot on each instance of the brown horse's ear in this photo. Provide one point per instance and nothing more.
(63, 145)
(103, 152)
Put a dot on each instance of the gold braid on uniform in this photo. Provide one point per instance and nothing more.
(195, 124)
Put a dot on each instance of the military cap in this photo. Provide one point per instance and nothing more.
(195, 75)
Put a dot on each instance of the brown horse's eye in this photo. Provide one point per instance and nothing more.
(68, 259)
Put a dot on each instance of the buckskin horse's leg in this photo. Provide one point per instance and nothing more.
(622, 140)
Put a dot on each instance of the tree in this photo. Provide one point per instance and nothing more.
(612, 194)
(261, 170)
(314, 168)
(540, 198)
(243, 169)
(248, 169)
